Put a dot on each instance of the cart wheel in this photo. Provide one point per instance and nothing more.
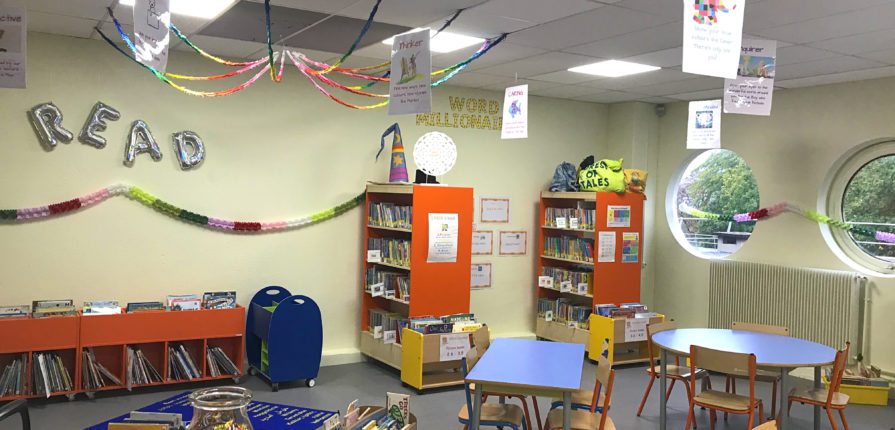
(311, 382)
(275, 386)
(236, 379)
(70, 397)
(252, 371)
(90, 395)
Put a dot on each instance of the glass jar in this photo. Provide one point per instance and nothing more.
(220, 408)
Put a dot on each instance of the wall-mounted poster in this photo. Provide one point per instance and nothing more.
(482, 242)
(513, 242)
(494, 209)
(480, 276)
(713, 32)
(753, 89)
(410, 89)
(13, 45)
(704, 125)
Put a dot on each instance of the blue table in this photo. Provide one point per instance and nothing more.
(528, 368)
(771, 350)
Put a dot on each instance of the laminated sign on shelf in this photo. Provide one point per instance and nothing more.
(454, 346)
(443, 233)
(13, 42)
(152, 18)
(515, 113)
(410, 89)
(713, 31)
(752, 91)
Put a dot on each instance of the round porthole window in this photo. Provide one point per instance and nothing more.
(714, 181)
(860, 190)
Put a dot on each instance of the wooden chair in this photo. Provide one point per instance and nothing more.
(830, 399)
(674, 372)
(582, 398)
(761, 375)
(590, 419)
(14, 407)
(482, 343)
(492, 415)
(769, 425)
(723, 362)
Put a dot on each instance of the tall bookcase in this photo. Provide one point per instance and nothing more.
(436, 289)
(613, 282)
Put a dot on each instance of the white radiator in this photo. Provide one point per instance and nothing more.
(824, 306)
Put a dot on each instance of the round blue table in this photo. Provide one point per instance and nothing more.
(771, 350)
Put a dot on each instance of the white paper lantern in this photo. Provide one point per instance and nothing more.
(435, 153)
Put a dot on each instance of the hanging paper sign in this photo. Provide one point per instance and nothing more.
(704, 125)
(410, 89)
(152, 18)
(443, 233)
(713, 31)
(515, 113)
(751, 92)
(13, 44)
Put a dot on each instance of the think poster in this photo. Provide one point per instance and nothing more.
(13, 41)
(152, 18)
(410, 87)
(713, 32)
(751, 92)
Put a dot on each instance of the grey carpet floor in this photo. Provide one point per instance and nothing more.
(368, 382)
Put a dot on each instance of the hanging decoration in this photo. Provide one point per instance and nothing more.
(96, 122)
(779, 208)
(47, 121)
(398, 171)
(145, 198)
(314, 71)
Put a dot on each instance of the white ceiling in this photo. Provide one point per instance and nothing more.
(819, 41)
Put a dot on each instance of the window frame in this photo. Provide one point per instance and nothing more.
(830, 199)
(672, 214)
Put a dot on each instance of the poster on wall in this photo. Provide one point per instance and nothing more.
(704, 125)
(443, 233)
(713, 32)
(618, 216)
(494, 210)
(630, 247)
(752, 91)
(515, 113)
(513, 242)
(480, 276)
(482, 242)
(13, 44)
(606, 247)
(152, 18)
(410, 89)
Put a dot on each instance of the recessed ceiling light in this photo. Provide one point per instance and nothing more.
(198, 8)
(613, 68)
(445, 41)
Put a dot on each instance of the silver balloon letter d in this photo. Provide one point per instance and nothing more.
(189, 148)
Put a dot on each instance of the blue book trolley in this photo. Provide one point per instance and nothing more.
(284, 337)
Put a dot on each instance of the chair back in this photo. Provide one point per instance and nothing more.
(714, 360)
(652, 329)
(481, 338)
(838, 372)
(605, 381)
(760, 328)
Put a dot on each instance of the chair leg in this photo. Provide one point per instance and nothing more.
(751, 420)
(534, 401)
(842, 417)
(712, 418)
(649, 386)
(690, 417)
(670, 387)
(525, 412)
(774, 399)
(832, 420)
(708, 382)
(687, 387)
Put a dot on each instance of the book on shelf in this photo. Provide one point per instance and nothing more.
(575, 277)
(15, 311)
(183, 302)
(605, 309)
(579, 218)
(12, 380)
(145, 306)
(52, 308)
(391, 215)
(564, 311)
(219, 300)
(393, 251)
(93, 374)
(569, 248)
(49, 374)
(219, 363)
(180, 364)
(101, 307)
(140, 370)
(395, 284)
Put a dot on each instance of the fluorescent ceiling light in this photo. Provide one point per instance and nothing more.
(445, 41)
(613, 68)
(198, 8)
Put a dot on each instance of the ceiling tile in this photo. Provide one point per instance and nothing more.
(858, 75)
(699, 95)
(682, 86)
(475, 80)
(530, 12)
(587, 27)
(539, 64)
(856, 44)
(609, 97)
(532, 84)
(410, 13)
(89, 9)
(634, 82)
(845, 24)
(567, 77)
(883, 56)
(505, 52)
(800, 54)
(636, 42)
(671, 9)
(60, 24)
(775, 13)
(664, 58)
(658, 100)
(842, 63)
(323, 6)
(566, 91)
(227, 48)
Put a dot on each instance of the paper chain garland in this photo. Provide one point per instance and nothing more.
(779, 208)
(149, 200)
(369, 73)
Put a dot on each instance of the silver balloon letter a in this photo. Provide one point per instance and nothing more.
(47, 121)
(96, 123)
(189, 148)
(139, 141)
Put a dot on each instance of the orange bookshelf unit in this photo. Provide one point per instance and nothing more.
(109, 336)
(568, 245)
(431, 289)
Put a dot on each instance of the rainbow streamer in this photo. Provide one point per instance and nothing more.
(143, 197)
(779, 208)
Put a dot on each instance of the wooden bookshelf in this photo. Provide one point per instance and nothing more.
(612, 282)
(27, 335)
(435, 288)
(620, 351)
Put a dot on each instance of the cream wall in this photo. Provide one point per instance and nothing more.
(274, 151)
(790, 153)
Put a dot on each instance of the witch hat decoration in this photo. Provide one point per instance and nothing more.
(398, 172)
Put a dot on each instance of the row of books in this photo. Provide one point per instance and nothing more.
(571, 218)
(382, 321)
(395, 284)
(576, 277)
(12, 380)
(93, 374)
(49, 374)
(393, 251)
(390, 215)
(140, 370)
(564, 311)
(570, 248)
(66, 307)
(181, 366)
(219, 363)
(626, 310)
